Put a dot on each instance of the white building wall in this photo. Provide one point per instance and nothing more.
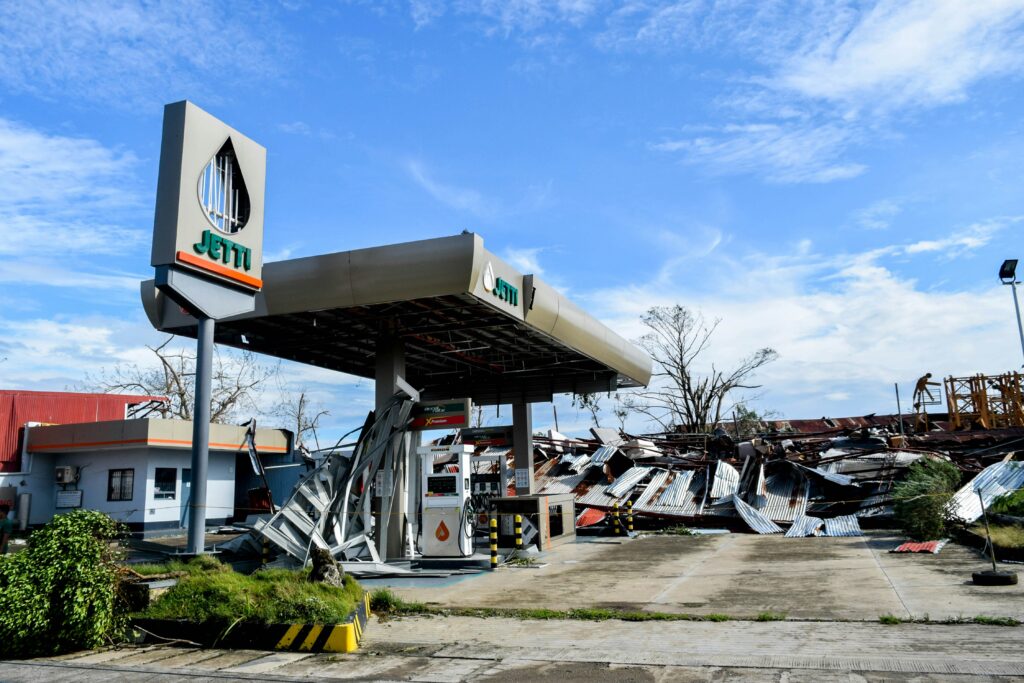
(220, 486)
(38, 481)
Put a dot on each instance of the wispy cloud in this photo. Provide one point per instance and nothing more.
(128, 53)
(973, 237)
(879, 215)
(526, 260)
(459, 198)
(295, 128)
(781, 153)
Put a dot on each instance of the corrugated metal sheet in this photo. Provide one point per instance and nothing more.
(590, 517)
(565, 484)
(830, 475)
(597, 496)
(754, 519)
(932, 547)
(727, 480)
(805, 526)
(683, 497)
(653, 488)
(869, 466)
(627, 481)
(603, 454)
(785, 497)
(576, 463)
(19, 407)
(994, 481)
(846, 525)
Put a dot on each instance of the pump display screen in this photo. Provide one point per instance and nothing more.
(442, 485)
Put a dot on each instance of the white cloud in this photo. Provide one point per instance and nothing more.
(131, 53)
(972, 237)
(295, 128)
(460, 198)
(525, 259)
(782, 153)
(879, 215)
(914, 54)
(846, 325)
(509, 16)
(424, 12)
(67, 192)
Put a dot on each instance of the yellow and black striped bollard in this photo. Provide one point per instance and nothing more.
(494, 543)
(629, 516)
(519, 532)
(265, 557)
(615, 518)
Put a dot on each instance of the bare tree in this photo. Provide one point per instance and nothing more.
(238, 379)
(680, 398)
(589, 402)
(303, 417)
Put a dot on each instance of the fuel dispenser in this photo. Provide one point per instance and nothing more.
(447, 522)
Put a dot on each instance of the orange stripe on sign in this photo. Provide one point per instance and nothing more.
(171, 442)
(218, 269)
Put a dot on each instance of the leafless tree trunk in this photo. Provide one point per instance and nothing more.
(238, 380)
(679, 398)
(303, 417)
(591, 403)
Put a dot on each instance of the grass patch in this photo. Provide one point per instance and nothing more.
(217, 594)
(680, 530)
(522, 561)
(384, 601)
(197, 565)
(996, 621)
(1003, 535)
(890, 619)
(770, 616)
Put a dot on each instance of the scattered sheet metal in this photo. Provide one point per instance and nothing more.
(805, 525)
(847, 525)
(785, 497)
(994, 481)
(727, 480)
(754, 519)
(566, 484)
(596, 496)
(653, 488)
(932, 547)
(834, 477)
(590, 517)
(683, 497)
(603, 455)
(606, 436)
(627, 481)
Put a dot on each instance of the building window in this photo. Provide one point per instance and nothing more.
(120, 484)
(165, 483)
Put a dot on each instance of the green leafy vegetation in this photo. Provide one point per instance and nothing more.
(60, 593)
(996, 621)
(1009, 504)
(890, 619)
(922, 498)
(679, 530)
(1003, 535)
(272, 596)
(384, 601)
(770, 616)
(196, 565)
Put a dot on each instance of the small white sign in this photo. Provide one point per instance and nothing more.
(69, 499)
(522, 480)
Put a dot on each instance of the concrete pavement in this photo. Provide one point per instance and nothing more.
(741, 575)
(464, 649)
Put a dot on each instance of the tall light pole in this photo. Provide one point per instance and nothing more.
(1008, 276)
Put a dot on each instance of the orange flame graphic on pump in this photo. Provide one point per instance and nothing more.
(442, 532)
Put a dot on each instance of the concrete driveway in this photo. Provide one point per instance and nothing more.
(740, 575)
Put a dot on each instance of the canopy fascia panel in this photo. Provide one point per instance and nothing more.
(471, 324)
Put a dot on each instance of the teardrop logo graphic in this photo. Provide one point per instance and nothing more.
(222, 192)
(442, 532)
(489, 280)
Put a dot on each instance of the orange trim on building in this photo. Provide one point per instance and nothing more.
(169, 442)
(206, 264)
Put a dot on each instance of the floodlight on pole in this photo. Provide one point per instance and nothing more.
(1008, 276)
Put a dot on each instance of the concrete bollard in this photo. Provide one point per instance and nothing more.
(519, 532)
(629, 516)
(615, 518)
(494, 543)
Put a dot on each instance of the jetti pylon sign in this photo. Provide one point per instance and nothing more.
(208, 227)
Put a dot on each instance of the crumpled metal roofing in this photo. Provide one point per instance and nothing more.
(627, 481)
(805, 526)
(603, 455)
(754, 519)
(597, 496)
(683, 497)
(785, 497)
(566, 484)
(834, 477)
(927, 547)
(994, 481)
(577, 463)
(847, 525)
(653, 488)
(727, 480)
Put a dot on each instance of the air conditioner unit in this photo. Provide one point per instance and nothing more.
(67, 474)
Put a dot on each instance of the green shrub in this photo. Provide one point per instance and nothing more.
(60, 593)
(271, 596)
(1009, 504)
(922, 498)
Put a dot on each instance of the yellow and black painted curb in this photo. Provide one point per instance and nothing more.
(344, 637)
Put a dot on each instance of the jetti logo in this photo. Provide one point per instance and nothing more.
(498, 287)
(225, 203)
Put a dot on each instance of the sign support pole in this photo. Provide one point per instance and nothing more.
(201, 436)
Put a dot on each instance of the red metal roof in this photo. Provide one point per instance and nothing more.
(925, 547)
(590, 517)
(54, 407)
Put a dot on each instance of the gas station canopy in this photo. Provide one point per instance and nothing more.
(470, 325)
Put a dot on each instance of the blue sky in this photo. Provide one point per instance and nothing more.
(839, 181)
